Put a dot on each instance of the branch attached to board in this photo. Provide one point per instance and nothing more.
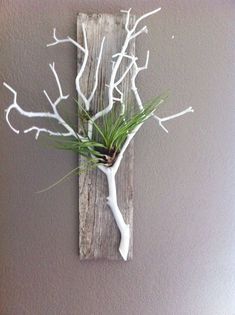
(114, 82)
(136, 71)
(95, 143)
(85, 99)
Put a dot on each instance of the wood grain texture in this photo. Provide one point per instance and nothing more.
(98, 234)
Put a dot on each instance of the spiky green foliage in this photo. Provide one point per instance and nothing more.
(115, 128)
(109, 133)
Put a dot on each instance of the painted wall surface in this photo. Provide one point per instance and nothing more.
(184, 219)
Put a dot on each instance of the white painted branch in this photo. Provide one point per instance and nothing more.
(55, 114)
(51, 133)
(85, 50)
(127, 142)
(127, 18)
(164, 119)
(81, 70)
(121, 100)
(142, 30)
(112, 203)
(125, 72)
(64, 40)
(113, 83)
(130, 34)
(15, 106)
(110, 173)
(58, 100)
(97, 71)
(87, 100)
(52, 67)
(144, 16)
(136, 70)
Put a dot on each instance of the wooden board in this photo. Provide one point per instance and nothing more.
(98, 234)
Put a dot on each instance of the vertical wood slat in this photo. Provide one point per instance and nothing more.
(98, 234)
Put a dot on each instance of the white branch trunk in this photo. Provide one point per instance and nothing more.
(112, 203)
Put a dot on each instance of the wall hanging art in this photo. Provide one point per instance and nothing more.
(111, 112)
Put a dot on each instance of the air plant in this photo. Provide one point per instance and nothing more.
(109, 135)
(105, 135)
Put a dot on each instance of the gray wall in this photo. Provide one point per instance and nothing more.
(184, 221)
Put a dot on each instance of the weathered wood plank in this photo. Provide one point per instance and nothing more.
(98, 234)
